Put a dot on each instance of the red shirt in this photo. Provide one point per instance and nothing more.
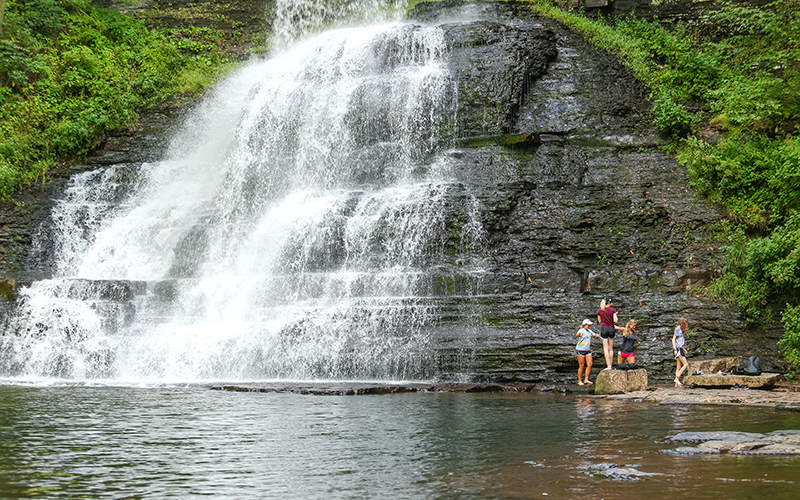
(606, 317)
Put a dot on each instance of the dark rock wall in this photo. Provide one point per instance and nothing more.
(580, 202)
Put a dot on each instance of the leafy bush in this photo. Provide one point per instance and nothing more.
(70, 71)
(757, 270)
(790, 343)
(672, 117)
(15, 64)
(41, 18)
(756, 177)
(759, 102)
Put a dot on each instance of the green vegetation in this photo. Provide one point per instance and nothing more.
(70, 71)
(728, 93)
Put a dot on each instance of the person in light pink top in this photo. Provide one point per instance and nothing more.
(607, 317)
(679, 349)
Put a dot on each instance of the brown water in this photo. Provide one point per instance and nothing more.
(161, 442)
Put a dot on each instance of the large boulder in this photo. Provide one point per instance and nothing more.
(781, 442)
(620, 381)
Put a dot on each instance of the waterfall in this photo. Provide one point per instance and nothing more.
(304, 225)
(297, 19)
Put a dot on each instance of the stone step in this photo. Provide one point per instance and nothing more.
(81, 289)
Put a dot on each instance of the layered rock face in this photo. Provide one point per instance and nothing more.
(580, 203)
(577, 202)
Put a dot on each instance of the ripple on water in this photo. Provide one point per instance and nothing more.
(184, 441)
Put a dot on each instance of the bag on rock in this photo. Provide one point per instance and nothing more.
(752, 366)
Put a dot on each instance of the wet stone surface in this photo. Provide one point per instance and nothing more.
(781, 442)
(619, 472)
(778, 398)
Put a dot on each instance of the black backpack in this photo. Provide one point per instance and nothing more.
(752, 366)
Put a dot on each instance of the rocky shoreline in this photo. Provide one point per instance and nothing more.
(784, 396)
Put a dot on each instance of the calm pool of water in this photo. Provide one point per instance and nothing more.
(124, 442)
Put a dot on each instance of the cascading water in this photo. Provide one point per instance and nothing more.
(296, 19)
(302, 226)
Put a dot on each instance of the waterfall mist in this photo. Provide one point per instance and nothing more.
(302, 226)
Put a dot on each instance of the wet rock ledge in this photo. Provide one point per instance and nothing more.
(783, 442)
(782, 398)
(356, 389)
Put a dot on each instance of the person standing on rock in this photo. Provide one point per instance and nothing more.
(607, 317)
(678, 350)
(628, 344)
(584, 350)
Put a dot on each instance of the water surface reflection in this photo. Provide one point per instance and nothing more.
(124, 442)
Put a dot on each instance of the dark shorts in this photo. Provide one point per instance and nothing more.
(681, 353)
(608, 333)
(583, 353)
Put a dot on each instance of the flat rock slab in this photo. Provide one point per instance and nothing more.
(713, 365)
(715, 380)
(620, 381)
(688, 396)
(783, 442)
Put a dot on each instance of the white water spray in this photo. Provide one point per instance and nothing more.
(301, 227)
(297, 19)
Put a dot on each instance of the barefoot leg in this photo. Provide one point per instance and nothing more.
(589, 362)
(608, 352)
(581, 365)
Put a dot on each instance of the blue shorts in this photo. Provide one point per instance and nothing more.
(681, 353)
(583, 353)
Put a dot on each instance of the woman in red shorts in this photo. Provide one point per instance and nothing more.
(628, 342)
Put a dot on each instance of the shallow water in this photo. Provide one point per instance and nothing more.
(159, 442)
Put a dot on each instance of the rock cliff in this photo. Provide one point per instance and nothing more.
(581, 202)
